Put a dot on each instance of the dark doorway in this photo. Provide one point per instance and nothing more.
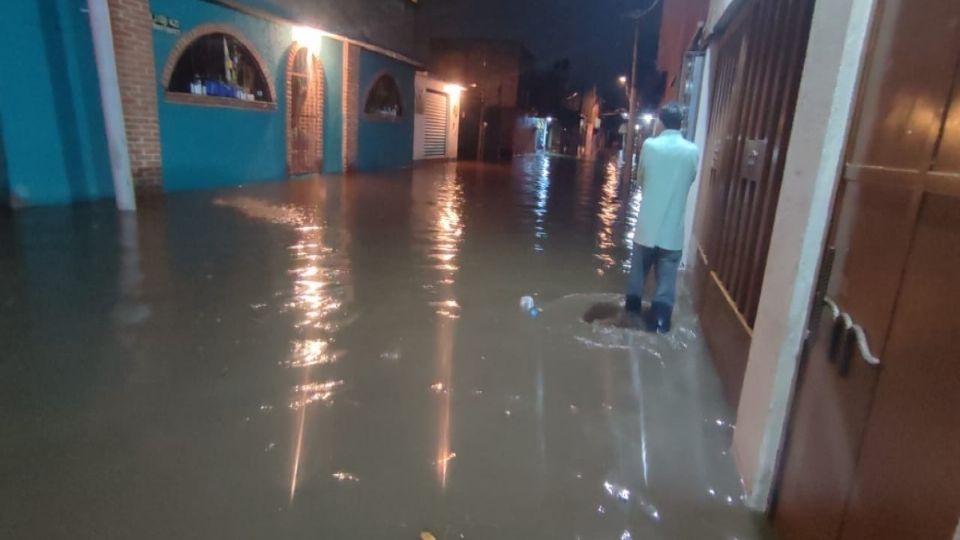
(469, 138)
(304, 112)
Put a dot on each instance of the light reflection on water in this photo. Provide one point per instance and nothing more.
(321, 286)
(444, 224)
(601, 200)
(630, 222)
(537, 171)
(608, 214)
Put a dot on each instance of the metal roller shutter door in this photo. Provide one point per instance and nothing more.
(436, 110)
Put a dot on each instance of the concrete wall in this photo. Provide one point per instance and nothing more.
(50, 116)
(392, 24)
(495, 67)
(385, 144)
(4, 179)
(679, 22)
(206, 146)
(716, 11)
(423, 83)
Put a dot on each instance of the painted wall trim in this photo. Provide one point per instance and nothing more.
(259, 13)
(112, 105)
(700, 139)
(832, 72)
(719, 16)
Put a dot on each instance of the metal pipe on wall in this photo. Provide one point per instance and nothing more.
(112, 106)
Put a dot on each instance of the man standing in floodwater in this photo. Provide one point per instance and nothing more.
(667, 169)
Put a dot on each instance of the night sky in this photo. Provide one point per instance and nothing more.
(594, 35)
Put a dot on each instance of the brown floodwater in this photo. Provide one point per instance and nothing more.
(346, 358)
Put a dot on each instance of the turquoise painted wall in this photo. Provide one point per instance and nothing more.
(54, 145)
(391, 24)
(385, 144)
(332, 56)
(4, 179)
(204, 147)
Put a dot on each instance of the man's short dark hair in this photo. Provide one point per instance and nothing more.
(671, 115)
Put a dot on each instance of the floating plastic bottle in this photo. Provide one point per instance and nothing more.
(530, 306)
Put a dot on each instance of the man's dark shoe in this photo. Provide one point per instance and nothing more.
(658, 318)
(633, 304)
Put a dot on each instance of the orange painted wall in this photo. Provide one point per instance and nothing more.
(679, 23)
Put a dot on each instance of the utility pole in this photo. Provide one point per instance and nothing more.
(632, 119)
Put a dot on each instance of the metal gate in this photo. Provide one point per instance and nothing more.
(436, 116)
(305, 95)
(759, 60)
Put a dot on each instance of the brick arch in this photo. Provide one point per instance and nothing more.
(316, 96)
(204, 29)
(369, 88)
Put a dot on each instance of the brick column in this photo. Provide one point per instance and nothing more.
(132, 25)
(351, 105)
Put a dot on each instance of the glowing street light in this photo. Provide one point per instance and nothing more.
(454, 90)
(623, 79)
(309, 38)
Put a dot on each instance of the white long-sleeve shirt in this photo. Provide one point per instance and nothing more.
(668, 164)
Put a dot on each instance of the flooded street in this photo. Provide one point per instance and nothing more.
(345, 358)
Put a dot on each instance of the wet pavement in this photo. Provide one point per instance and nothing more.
(345, 358)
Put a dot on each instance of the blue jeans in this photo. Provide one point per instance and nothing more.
(666, 263)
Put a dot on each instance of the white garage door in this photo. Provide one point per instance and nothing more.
(436, 109)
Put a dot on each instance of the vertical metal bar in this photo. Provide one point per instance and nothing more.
(753, 43)
(765, 51)
(773, 46)
(725, 172)
(788, 26)
(732, 159)
(628, 150)
(803, 17)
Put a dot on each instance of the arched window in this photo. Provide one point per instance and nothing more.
(218, 64)
(383, 100)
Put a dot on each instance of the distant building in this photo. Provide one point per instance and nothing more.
(436, 121)
(590, 140)
(496, 78)
(497, 70)
(391, 24)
